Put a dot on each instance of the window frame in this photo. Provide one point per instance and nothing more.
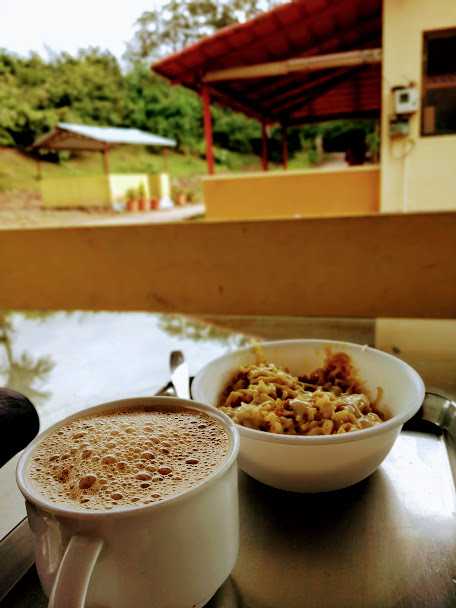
(427, 35)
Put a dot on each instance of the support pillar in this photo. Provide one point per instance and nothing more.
(284, 147)
(39, 175)
(264, 147)
(205, 98)
(165, 160)
(106, 160)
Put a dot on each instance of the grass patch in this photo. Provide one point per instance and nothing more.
(18, 170)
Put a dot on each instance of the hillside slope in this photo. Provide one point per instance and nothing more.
(18, 170)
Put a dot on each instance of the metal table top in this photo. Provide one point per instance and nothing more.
(389, 541)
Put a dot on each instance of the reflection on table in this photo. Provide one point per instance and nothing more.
(65, 361)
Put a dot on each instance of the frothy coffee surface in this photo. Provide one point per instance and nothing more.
(129, 457)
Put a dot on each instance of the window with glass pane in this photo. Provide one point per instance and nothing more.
(439, 83)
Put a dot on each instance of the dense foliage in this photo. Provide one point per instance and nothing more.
(91, 88)
(36, 94)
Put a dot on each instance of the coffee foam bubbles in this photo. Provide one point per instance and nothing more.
(129, 457)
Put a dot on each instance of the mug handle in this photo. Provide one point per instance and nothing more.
(73, 576)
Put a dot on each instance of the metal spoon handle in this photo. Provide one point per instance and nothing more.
(180, 376)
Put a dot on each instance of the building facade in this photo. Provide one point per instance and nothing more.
(418, 169)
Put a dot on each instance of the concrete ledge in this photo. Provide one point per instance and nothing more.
(281, 194)
(373, 266)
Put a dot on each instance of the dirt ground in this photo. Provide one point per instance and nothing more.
(24, 210)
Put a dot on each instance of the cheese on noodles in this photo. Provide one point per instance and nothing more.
(329, 400)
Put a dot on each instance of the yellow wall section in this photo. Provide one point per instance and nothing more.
(119, 184)
(92, 191)
(377, 265)
(282, 194)
(159, 185)
(420, 173)
(100, 190)
(428, 345)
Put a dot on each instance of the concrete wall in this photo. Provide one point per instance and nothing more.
(91, 191)
(159, 185)
(100, 190)
(282, 194)
(428, 345)
(418, 173)
(371, 266)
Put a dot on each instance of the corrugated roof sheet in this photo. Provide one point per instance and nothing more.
(69, 136)
(302, 28)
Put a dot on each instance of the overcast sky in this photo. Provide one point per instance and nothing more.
(67, 25)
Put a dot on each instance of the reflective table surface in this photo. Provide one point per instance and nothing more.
(389, 541)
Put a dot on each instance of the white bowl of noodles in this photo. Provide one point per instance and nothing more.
(289, 460)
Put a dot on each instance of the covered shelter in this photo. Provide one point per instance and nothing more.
(301, 62)
(69, 136)
(99, 190)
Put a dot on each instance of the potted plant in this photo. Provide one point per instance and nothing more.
(143, 203)
(155, 203)
(179, 197)
(130, 196)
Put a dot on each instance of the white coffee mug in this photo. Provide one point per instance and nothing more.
(174, 553)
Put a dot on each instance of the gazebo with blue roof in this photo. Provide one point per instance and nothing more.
(100, 190)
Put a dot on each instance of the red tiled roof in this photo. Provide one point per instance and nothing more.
(302, 28)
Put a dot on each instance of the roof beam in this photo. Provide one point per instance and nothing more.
(282, 102)
(317, 87)
(298, 64)
(59, 136)
(366, 30)
(234, 104)
(308, 23)
(303, 119)
(305, 97)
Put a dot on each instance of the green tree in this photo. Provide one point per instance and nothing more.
(178, 23)
(173, 111)
(36, 94)
(153, 105)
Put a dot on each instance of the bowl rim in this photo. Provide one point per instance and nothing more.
(306, 440)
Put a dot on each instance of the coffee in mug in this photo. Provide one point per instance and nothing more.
(127, 457)
(129, 497)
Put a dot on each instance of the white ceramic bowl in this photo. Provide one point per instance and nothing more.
(324, 462)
